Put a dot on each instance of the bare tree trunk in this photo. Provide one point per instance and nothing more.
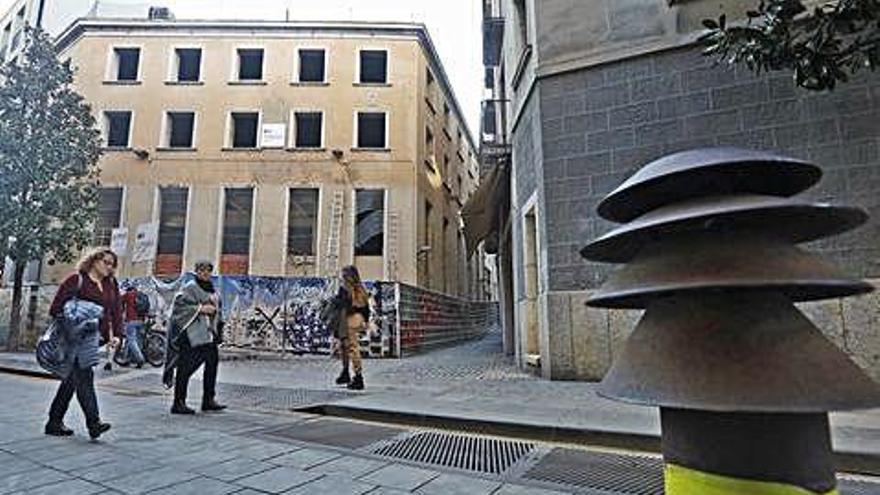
(15, 317)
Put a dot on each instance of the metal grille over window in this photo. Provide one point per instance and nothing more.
(374, 66)
(127, 60)
(172, 230)
(181, 129)
(237, 231)
(308, 129)
(311, 65)
(302, 220)
(244, 130)
(370, 218)
(371, 130)
(109, 208)
(118, 128)
(189, 64)
(250, 64)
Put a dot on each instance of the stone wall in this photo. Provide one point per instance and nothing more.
(600, 124)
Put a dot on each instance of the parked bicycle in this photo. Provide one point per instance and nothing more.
(151, 339)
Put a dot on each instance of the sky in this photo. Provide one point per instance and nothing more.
(454, 26)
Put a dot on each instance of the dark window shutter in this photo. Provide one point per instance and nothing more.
(371, 130)
(374, 66)
(311, 65)
(181, 135)
(308, 130)
(250, 64)
(189, 64)
(245, 130)
(128, 59)
(119, 125)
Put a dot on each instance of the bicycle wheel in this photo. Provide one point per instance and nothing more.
(154, 349)
(120, 356)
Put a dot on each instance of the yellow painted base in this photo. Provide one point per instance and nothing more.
(684, 481)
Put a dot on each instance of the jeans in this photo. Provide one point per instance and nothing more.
(82, 382)
(189, 361)
(132, 342)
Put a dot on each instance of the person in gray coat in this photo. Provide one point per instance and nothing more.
(196, 316)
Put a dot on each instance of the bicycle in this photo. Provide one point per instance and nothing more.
(151, 341)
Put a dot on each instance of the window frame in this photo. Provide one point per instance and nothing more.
(354, 222)
(221, 222)
(120, 220)
(356, 134)
(111, 73)
(173, 74)
(106, 129)
(316, 234)
(297, 65)
(292, 144)
(358, 81)
(236, 66)
(165, 138)
(229, 140)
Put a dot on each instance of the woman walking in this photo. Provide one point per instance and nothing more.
(195, 317)
(88, 303)
(355, 304)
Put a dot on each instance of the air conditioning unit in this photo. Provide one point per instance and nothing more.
(160, 14)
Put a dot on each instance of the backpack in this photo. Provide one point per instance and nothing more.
(331, 315)
(141, 304)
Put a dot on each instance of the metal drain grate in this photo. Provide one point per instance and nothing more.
(853, 487)
(337, 433)
(614, 473)
(471, 453)
(240, 395)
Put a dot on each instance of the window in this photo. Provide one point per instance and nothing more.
(370, 222)
(443, 246)
(250, 64)
(374, 66)
(308, 129)
(172, 230)
(109, 211)
(127, 61)
(445, 116)
(429, 78)
(429, 148)
(521, 20)
(180, 126)
(459, 191)
(302, 222)
(117, 128)
(445, 167)
(236, 242)
(311, 65)
(4, 41)
(189, 64)
(371, 130)
(244, 129)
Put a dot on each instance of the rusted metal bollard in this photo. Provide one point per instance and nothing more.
(744, 380)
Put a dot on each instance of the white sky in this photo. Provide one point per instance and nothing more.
(454, 26)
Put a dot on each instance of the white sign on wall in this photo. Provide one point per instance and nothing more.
(145, 242)
(273, 135)
(119, 241)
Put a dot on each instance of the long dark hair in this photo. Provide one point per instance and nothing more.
(352, 280)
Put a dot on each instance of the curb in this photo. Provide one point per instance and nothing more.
(847, 462)
(33, 373)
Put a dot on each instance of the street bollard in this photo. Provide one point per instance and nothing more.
(744, 381)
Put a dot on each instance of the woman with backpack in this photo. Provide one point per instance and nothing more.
(354, 302)
(90, 287)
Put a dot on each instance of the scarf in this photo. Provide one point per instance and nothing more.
(206, 285)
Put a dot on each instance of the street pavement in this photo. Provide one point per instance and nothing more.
(264, 444)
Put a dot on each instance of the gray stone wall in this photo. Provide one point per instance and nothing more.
(601, 124)
(527, 150)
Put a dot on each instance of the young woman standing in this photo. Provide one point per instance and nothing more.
(356, 311)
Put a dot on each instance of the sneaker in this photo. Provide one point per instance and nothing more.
(57, 430)
(357, 383)
(343, 378)
(98, 429)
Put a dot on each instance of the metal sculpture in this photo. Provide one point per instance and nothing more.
(743, 380)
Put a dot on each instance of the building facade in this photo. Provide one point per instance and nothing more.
(584, 93)
(278, 149)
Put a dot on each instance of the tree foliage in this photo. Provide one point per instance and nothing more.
(49, 148)
(823, 46)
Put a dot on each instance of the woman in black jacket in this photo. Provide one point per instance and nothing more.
(356, 311)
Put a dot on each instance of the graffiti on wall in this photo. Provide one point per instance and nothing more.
(280, 313)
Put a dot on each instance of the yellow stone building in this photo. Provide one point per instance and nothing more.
(278, 149)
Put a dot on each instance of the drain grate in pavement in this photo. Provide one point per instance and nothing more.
(467, 452)
(246, 396)
(338, 433)
(615, 473)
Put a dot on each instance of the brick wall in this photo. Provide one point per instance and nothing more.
(601, 124)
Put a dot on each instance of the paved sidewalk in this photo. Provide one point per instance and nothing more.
(469, 383)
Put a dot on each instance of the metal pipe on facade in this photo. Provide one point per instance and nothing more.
(744, 381)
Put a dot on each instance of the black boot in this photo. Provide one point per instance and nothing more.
(57, 430)
(343, 378)
(210, 405)
(97, 429)
(357, 383)
(179, 407)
